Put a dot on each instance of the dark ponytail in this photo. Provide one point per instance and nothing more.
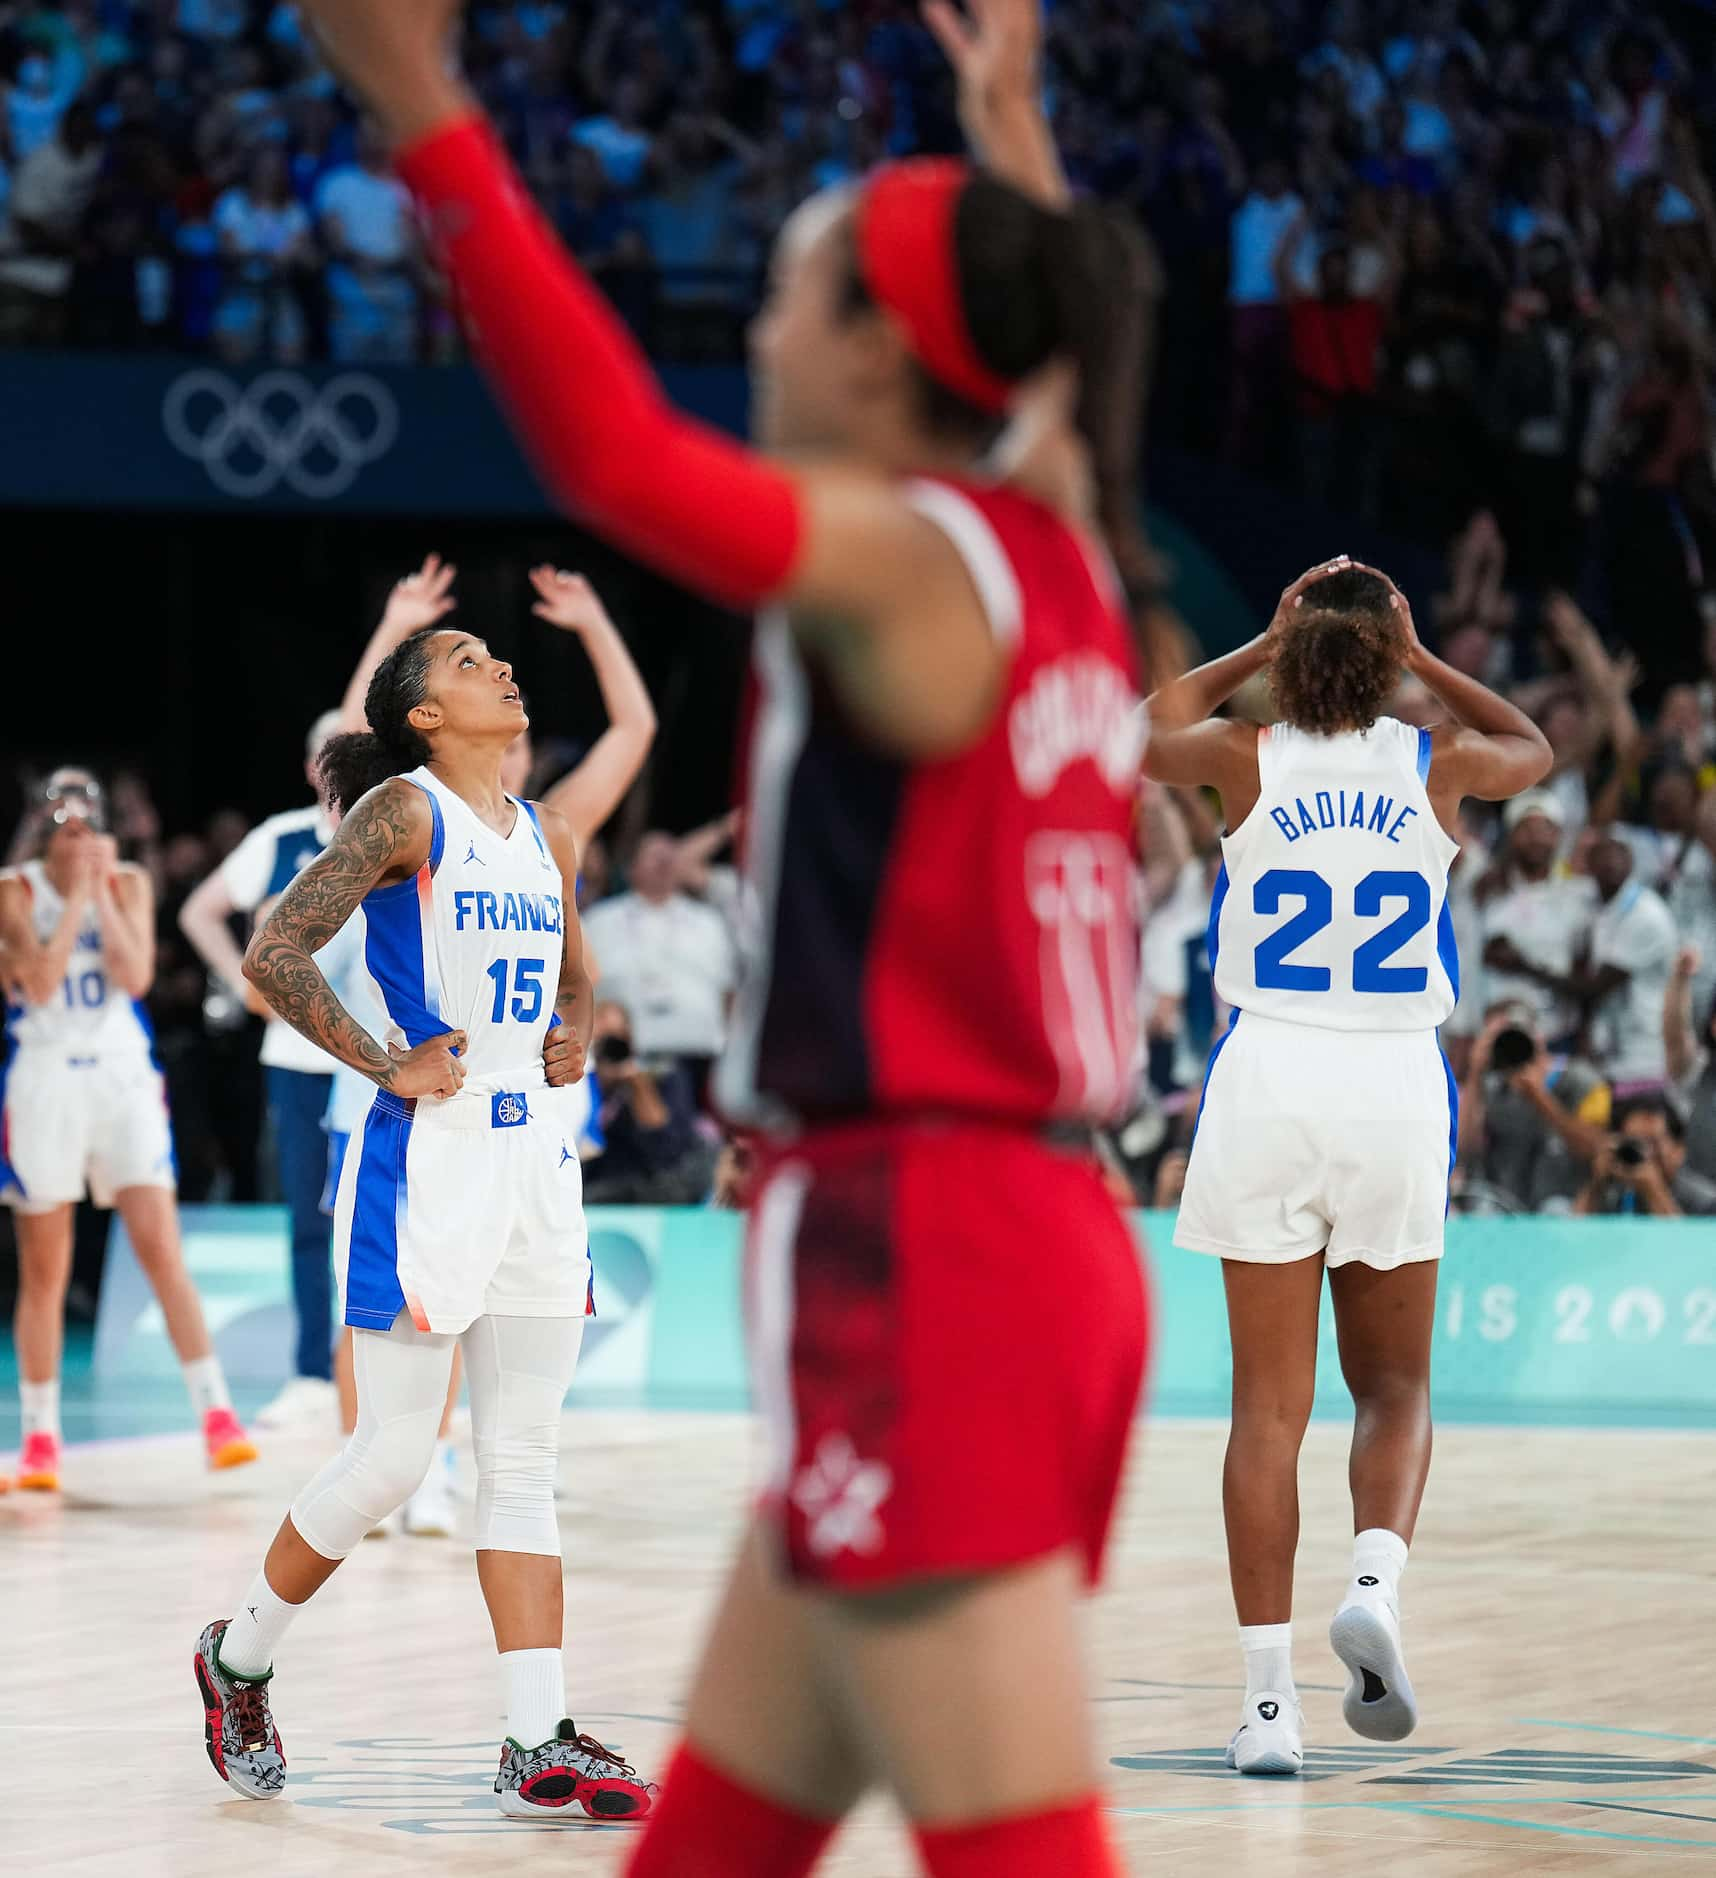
(351, 765)
(1036, 284)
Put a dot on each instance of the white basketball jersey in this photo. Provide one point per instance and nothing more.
(472, 942)
(1332, 904)
(89, 1015)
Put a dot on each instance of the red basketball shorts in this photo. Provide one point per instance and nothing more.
(948, 1330)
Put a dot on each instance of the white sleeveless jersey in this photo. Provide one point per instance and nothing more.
(472, 942)
(89, 1016)
(1332, 904)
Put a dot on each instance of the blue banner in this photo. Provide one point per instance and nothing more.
(91, 431)
(1597, 1322)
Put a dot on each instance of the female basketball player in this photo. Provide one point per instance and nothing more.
(85, 1109)
(1325, 1135)
(940, 782)
(586, 795)
(459, 1219)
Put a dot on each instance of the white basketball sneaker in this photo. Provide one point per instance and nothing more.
(304, 1401)
(1379, 1702)
(430, 1512)
(1271, 1737)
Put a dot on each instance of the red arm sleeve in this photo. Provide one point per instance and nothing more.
(678, 494)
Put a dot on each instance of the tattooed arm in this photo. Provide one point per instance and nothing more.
(575, 1002)
(383, 839)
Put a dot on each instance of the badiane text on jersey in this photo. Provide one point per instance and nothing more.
(505, 912)
(1334, 811)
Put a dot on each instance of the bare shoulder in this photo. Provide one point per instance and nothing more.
(393, 812)
(1217, 751)
(558, 832)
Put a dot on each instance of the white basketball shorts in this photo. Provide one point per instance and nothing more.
(1321, 1141)
(461, 1209)
(72, 1124)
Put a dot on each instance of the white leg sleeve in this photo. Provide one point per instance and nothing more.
(519, 1369)
(401, 1388)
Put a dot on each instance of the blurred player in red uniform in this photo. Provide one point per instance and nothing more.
(945, 1306)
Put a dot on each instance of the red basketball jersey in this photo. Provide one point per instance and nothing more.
(955, 936)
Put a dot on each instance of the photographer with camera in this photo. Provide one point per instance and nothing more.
(652, 1153)
(1642, 1167)
(1530, 1123)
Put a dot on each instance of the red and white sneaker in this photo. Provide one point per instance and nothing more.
(39, 1463)
(225, 1440)
(571, 1777)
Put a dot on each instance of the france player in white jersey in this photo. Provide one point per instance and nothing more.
(459, 1220)
(83, 1109)
(1325, 1136)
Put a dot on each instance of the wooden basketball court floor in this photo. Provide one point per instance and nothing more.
(1561, 1624)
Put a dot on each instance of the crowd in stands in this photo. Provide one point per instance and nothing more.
(1584, 1041)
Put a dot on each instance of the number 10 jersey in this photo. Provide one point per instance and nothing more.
(1331, 908)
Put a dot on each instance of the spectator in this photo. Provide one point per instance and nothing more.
(1633, 946)
(646, 1115)
(1536, 918)
(365, 216)
(1258, 323)
(1334, 334)
(300, 1077)
(667, 958)
(36, 100)
(621, 143)
(1391, 166)
(1641, 1167)
(265, 236)
(1529, 1123)
(50, 194)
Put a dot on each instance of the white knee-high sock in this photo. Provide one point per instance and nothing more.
(247, 1649)
(1268, 1659)
(206, 1382)
(535, 1694)
(1379, 1557)
(39, 1404)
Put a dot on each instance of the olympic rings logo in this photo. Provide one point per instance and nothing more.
(281, 428)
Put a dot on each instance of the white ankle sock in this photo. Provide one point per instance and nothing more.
(535, 1694)
(206, 1381)
(1379, 1557)
(1268, 1659)
(39, 1403)
(247, 1649)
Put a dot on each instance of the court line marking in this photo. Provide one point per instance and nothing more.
(1596, 1728)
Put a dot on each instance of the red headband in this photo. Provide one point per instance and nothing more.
(906, 259)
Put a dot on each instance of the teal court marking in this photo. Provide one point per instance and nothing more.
(1596, 1728)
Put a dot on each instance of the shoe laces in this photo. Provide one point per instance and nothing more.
(248, 1705)
(592, 1749)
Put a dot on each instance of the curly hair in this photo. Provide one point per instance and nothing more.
(1339, 658)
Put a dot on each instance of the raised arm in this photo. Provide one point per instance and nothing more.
(844, 547)
(1607, 683)
(38, 967)
(1491, 750)
(382, 840)
(415, 601)
(1680, 1041)
(589, 794)
(568, 1042)
(125, 911)
(995, 48)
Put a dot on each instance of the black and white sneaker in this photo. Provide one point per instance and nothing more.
(1270, 1738)
(1379, 1702)
(238, 1731)
(571, 1777)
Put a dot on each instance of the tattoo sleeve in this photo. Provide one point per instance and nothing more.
(382, 835)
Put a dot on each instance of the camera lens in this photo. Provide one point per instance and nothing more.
(614, 1050)
(1632, 1154)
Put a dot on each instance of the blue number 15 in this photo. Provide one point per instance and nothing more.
(527, 984)
(1371, 972)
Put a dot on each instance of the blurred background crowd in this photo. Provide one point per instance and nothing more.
(1444, 271)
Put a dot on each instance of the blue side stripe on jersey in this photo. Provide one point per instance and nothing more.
(1212, 936)
(393, 951)
(536, 829)
(1424, 757)
(437, 829)
(1209, 1069)
(374, 1295)
(1453, 1122)
(9, 1181)
(1447, 946)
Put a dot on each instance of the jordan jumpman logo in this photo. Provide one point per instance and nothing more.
(471, 854)
(565, 1155)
